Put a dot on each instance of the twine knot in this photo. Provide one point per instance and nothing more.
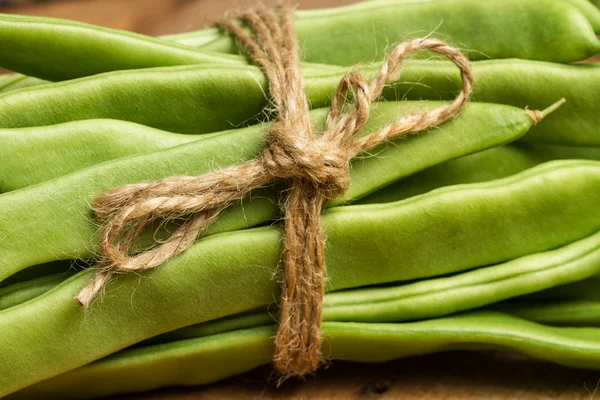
(316, 160)
(315, 168)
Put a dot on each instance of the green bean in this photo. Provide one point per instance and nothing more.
(362, 32)
(212, 358)
(589, 10)
(17, 81)
(19, 293)
(8, 79)
(472, 225)
(584, 6)
(520, 83)
(443, 296)
(586, 289)
(73, 146)
(559, 313)
(420, 300)
(51, 268)
(185, 99)
(58, 49)
(53, 219)
(495, 163)
(189, 99)
(435, 297)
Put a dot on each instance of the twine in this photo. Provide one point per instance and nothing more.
(315, 169)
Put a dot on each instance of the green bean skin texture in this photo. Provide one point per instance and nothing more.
(58, 49)
(584, 6)
(54, 217)
(586, 289)
(189, 99)
(73, 146)
(443, 296)
(16, 81)
(473, 225)
(589, 10)
(547, 30)
(55, 49)
(200, 99)
(559, 313)
(421, 300)
(495, 163)
(520, 83)
(37, 271)
(21, 292)
(208, 359)
(435, 297)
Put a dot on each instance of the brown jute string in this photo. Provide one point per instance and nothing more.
(315, 168)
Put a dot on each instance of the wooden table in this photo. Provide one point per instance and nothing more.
(459, 375)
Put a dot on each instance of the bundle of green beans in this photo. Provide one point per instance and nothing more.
(483, 233)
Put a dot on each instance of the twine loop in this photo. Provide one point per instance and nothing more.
(315, 168)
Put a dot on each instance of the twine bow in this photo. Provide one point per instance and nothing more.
(314, 167)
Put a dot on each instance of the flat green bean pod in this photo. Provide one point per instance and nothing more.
(188, 99)
(60, 49)
(200, 99)
(362, 32)
(73, 146)
(495, 163)
(584, 6)
(53, 220)
(586, 289)
(520, 83)
(223, 274)
(40, 270)
(589, 10)
(435, 297)
(208, 359)
(56, 49)
(18, 81)
(420, 300)
(21, 292)
(561, 312)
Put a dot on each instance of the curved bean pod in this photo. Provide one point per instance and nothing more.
(73, 146)
(473, 225)
(435, 297)
(216, 357)
(54, 217)
(59, 49)
(589, 10)
(584, 6)
(17, 81)
(19, 293)
(200, 99)
(56, 49)
(561, 313)
(421, 300)
(51, 268)
(520, 83)
(189, 99)
(362, 32)
(495, 163)
(586, 289)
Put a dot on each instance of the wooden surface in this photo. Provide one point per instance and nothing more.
(457, 375)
